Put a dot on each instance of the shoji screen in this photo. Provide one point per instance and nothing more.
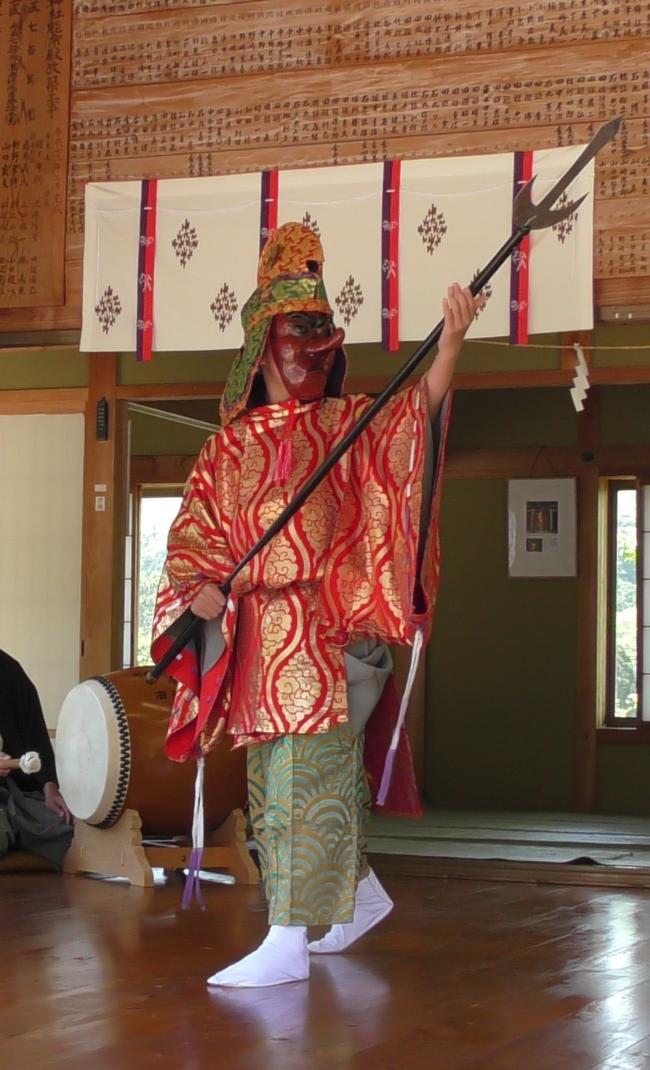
(41, 468)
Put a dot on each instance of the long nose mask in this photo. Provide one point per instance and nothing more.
(325, 344)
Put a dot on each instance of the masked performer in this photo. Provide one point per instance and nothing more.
(295, 661)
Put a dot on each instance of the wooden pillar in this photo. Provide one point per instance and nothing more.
(104, 522)
(587, 608)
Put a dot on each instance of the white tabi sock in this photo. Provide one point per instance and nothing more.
(281, 958)
(372, 904)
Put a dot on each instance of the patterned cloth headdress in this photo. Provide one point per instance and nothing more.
(289, 279)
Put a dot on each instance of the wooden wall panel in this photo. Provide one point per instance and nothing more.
(213, 40)
(34, 102)
(170, 89)
(421, 95)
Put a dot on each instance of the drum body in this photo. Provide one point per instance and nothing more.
(110, 757)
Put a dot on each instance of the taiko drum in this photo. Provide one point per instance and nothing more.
(110, 757)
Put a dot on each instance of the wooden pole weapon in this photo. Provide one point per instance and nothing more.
(527, 216)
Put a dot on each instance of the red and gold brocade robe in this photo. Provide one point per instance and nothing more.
(344, 567)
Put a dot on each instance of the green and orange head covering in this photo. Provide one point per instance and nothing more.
(289, 279)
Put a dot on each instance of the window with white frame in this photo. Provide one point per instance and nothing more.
(154, 509)
(628, 603)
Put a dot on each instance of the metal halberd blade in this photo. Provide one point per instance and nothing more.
(530, 216)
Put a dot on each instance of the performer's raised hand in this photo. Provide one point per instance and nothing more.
(459, 309)
(209, 603)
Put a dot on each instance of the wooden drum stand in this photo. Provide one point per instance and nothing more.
(120, 851)
(116, 782)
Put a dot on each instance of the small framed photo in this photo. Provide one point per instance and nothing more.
(541, 527)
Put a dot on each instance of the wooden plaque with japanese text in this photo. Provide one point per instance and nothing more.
(164, 88)
(34, 127)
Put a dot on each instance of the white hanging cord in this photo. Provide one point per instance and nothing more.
(198, 824)
(192, 881)
(418, 642)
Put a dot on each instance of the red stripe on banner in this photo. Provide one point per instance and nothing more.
(524, 274)
(269, 205)
(520, 265)
(390, 256)
(274, 185)
(147, 259)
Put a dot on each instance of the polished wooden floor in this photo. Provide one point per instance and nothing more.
(463, 974)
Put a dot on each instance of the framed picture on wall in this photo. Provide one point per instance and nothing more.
(541, 527)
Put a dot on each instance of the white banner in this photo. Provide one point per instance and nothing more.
(110, 273)
(207, 248)
(352, 270)
(454, 214)
(561, 257)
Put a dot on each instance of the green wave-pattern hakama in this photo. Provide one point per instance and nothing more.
(309, 800)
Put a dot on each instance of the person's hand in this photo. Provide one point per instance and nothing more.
(54, 801)
(459, 309)
(209, 603)
(4, 772)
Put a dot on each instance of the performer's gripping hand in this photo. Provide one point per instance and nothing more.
(4, 772)
(209, 603)
(459, 308)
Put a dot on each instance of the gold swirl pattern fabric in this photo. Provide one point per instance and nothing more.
(288, 252)
(309, 800)
(346, 566)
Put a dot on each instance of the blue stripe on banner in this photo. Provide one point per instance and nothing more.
(517, 175)
(385, 254)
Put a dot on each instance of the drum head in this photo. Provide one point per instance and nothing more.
(93, 759)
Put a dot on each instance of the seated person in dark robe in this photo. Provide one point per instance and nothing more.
(33, 815)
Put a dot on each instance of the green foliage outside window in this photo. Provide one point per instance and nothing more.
(156, 515)
(625, 606)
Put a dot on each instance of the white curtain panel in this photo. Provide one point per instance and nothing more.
(561, 257)
(207, 248)
(347, 217)
(454, 215)
(110, 269)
